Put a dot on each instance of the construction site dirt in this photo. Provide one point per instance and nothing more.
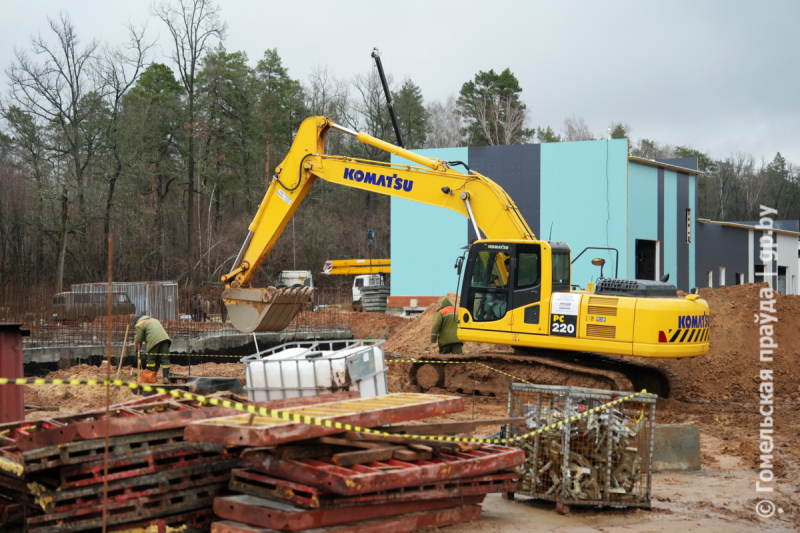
(718, 392)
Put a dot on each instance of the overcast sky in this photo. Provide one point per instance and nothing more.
(720, 76)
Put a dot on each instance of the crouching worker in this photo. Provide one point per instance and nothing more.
(157, 342)
(445, 329)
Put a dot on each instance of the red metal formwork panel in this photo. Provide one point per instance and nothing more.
(398, 524)
(137, 465)
(11, 513)
(173, 480)
(385, 475)
(286, 517)
(248, 430)
(126, 420)
(264, 486)
(17, 462)
(126, 510)
(191, 522)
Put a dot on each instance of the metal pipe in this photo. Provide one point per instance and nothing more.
(343, 129)
(433, 164)
(389, 102)
(241, 251)
(465, 197)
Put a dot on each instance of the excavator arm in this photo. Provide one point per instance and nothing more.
(344, 267)
(490, 209)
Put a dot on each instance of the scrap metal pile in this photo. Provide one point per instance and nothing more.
(601, 457)
(197, 468)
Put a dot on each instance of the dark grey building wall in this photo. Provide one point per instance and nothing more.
(682, 281)
(517, 169)
(720, 246)
(683, 162)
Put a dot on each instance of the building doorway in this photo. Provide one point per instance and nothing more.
(647, 263)
(782, 280)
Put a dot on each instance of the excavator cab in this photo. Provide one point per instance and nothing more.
(501, 277)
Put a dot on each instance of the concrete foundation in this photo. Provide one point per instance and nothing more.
(227, 344)
(676, 448)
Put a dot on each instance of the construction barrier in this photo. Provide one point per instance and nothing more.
(304, 419)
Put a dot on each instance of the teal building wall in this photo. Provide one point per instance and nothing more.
(425, 239)
(584, 198)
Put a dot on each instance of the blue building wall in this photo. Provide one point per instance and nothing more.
(425, 239)
(583, 196)
(669, 248)
(643, 206)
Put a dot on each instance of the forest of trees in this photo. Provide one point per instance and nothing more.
(173, 159)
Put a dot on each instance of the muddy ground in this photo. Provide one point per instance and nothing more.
(717, 392)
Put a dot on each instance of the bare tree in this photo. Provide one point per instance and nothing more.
(192, 23)
(61, 93)
(575, 129)
(328, 96)
(119, 69)
(652, 149)
(444, 124)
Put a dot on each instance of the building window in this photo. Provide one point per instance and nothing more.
(739, 278)
(710, 279)
(782, 280)
(721, 276)
(688, 225)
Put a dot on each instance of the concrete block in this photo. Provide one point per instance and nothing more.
(676, 448)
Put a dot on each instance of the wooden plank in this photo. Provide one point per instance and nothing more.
(411, 456)
(353, 443)
(443, 446)
(450, 428)
(303, 451)
(363, 456)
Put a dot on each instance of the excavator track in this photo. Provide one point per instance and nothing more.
(491, 374)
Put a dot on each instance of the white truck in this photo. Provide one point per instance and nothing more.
(368, 272)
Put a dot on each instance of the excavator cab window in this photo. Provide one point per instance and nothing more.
(488, 294)
(561, 272)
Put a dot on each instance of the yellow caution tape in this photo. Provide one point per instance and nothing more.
(175, 354)
(305, 419)
(459, 363)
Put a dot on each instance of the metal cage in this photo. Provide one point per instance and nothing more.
(599, 459)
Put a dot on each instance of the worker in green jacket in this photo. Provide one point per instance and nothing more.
(445, 329)
(157, 342)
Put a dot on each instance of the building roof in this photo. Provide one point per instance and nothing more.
(665, 166)
(747, 226)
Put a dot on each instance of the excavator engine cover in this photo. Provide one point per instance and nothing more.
(260, 310)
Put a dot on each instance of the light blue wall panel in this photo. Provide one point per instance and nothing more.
(425, 239)
(642, 209)
(670, 225)
(693, 206)
(584, 196)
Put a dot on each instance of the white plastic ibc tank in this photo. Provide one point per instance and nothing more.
(300, 371)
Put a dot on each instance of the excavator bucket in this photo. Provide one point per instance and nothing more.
(259, 310)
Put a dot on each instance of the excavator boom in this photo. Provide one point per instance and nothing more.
(435, 183)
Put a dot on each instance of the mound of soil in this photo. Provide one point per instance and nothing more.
(414, 338)
(374, 325)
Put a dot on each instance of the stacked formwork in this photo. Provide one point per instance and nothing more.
(597, 457)
(52, 472)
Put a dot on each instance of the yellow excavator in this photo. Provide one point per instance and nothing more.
(516, 291)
